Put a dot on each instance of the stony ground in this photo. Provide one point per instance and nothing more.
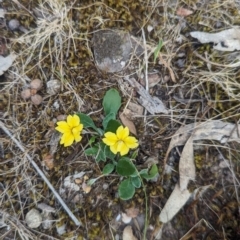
(56, 41)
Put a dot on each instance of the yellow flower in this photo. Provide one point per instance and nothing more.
(120, 142)
(71, 130)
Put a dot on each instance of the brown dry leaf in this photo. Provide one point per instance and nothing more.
(48, 161)
(128, 123)
(153, 79)
(135, 108)
(86, 188)
(167, 65)
(132, 212)
(174, 203)
(128, 234)
(184, 12)
(78, 180)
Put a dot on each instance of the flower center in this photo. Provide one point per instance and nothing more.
(74, 131)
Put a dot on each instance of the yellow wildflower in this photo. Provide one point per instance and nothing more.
(120, 141)
(71, 130)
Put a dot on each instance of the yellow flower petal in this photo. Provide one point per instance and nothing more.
(122, 148)
(62, 127)
(131, 142)
(77, 130)
(110, 138)
(67, 139)
(113, 148)
(77, 138)
(71, 130)
(122, 133)
(73, 121)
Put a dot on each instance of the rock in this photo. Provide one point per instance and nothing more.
(33, 218)
(113, 49)
(53, 87)
(26, 93)
(36, 84)
(13, 24)
(36, 99)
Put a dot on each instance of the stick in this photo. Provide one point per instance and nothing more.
(71, 215)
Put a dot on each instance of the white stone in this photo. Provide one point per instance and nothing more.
(33, 218)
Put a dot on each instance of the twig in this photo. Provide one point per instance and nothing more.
(145, 125)
(71, 215)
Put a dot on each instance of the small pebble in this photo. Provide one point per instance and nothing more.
(36, 99)
(36, 84)
(53, 87)
(13, 24)
(26, 93)
(33, 218)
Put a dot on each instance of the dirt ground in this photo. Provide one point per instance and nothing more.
(60, 43)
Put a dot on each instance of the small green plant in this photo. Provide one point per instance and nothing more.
(110, 144)
(157, 50)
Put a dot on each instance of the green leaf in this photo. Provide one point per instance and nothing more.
(136, 181)
(92, 140)
(157, 50)
(110, 116)
(108, 169)
(92, 181)
(152, 173)
(88, 122)
(109, 154)
(91, 151)
(125, 167)
(126, 190)
(101, 152)
(111, 101)
(134, 155)
(101, 155)
(112, 126)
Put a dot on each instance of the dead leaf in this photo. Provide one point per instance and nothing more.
(132, 212)
(226, 40)
(86, 188)
(184, 12)
(78, 180)
(174, 204)
(135, 108)
(48, 161)
(54, 141)
(210, 130)
(187, 169)
(153, 79)
(128, 234)
(69, 183)
(6, 62)
(167, 65)
(152, 104)
(128, 123)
